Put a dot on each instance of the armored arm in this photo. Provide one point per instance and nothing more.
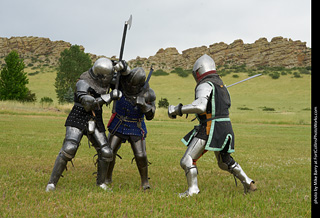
(146, 101)
(198, 106)
(122, 67)
(88, 101)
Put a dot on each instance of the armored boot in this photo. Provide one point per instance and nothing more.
(102, 175)
(103, 166)
(143, 171)
(59, 166)
(248, 184)
(142, 164)
(110, 171)
(192, 180)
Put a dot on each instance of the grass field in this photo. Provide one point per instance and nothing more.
(272, 146)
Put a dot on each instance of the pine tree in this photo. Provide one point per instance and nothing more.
(72, 63)
(13, 80)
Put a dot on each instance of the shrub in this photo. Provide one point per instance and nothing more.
(268, 108)
(274, 75)
(46, 100)
(163, 102)
(160, 72)
(181, 72)
(245, 109)
(296, 75)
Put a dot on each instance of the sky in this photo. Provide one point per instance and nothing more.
(98, 24)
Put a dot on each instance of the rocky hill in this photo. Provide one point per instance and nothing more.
(35, 50)
(278, 52)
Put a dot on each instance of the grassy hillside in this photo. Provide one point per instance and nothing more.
(271, 119)
(263, 99)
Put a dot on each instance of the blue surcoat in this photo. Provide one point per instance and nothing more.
(128, 119)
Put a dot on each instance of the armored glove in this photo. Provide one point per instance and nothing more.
(107, 98)
(122, 67)
(115, 94)
(173, 111)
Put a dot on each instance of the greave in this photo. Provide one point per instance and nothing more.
(59, 166)
(143, 171)
(192, 180)
(110, 171)
(142, 165)
(102, 171)
(238, 172)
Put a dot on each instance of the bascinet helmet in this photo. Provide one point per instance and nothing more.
(102, 70)
(203, 66)
(132, 83)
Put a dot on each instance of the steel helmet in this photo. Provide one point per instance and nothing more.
(203, 66)
(103, 70)
(134, 81)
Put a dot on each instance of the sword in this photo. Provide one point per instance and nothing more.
(148, 78)
(251, 77)
(140, 98)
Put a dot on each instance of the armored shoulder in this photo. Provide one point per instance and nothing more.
(203, 90)
(150, 95)
(82, 86)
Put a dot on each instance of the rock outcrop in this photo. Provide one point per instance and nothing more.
(35, 50)
(278, 52)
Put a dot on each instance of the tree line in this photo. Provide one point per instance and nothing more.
(13, 80)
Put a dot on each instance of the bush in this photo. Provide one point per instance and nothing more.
(46, 100)
(274, 75)
(31, 97)
(296, 75)
(304, 71)
(181, 72)
(163, 102)
(160, 72)
(268, 108)
(244, 109)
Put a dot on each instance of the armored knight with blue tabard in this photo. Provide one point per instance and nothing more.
(214, 132)
(85, 118)
(128, 120)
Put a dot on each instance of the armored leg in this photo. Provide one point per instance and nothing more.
(140, 154)
(226, 162)
(115, 143)
(67, 152)
(193, 152)
(105, 156)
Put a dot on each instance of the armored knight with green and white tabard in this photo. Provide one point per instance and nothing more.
(214, 132)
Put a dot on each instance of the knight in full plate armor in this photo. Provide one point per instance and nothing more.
(85, 118)
(214, 132)
(127, 122)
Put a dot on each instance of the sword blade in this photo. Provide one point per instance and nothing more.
(251, 77)
(149, 76)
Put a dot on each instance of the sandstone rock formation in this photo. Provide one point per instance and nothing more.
(35, 50)
(278, 52)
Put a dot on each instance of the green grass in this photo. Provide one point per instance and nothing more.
(273, 147)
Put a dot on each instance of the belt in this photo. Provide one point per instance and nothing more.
(217, 118)
(129, 119)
